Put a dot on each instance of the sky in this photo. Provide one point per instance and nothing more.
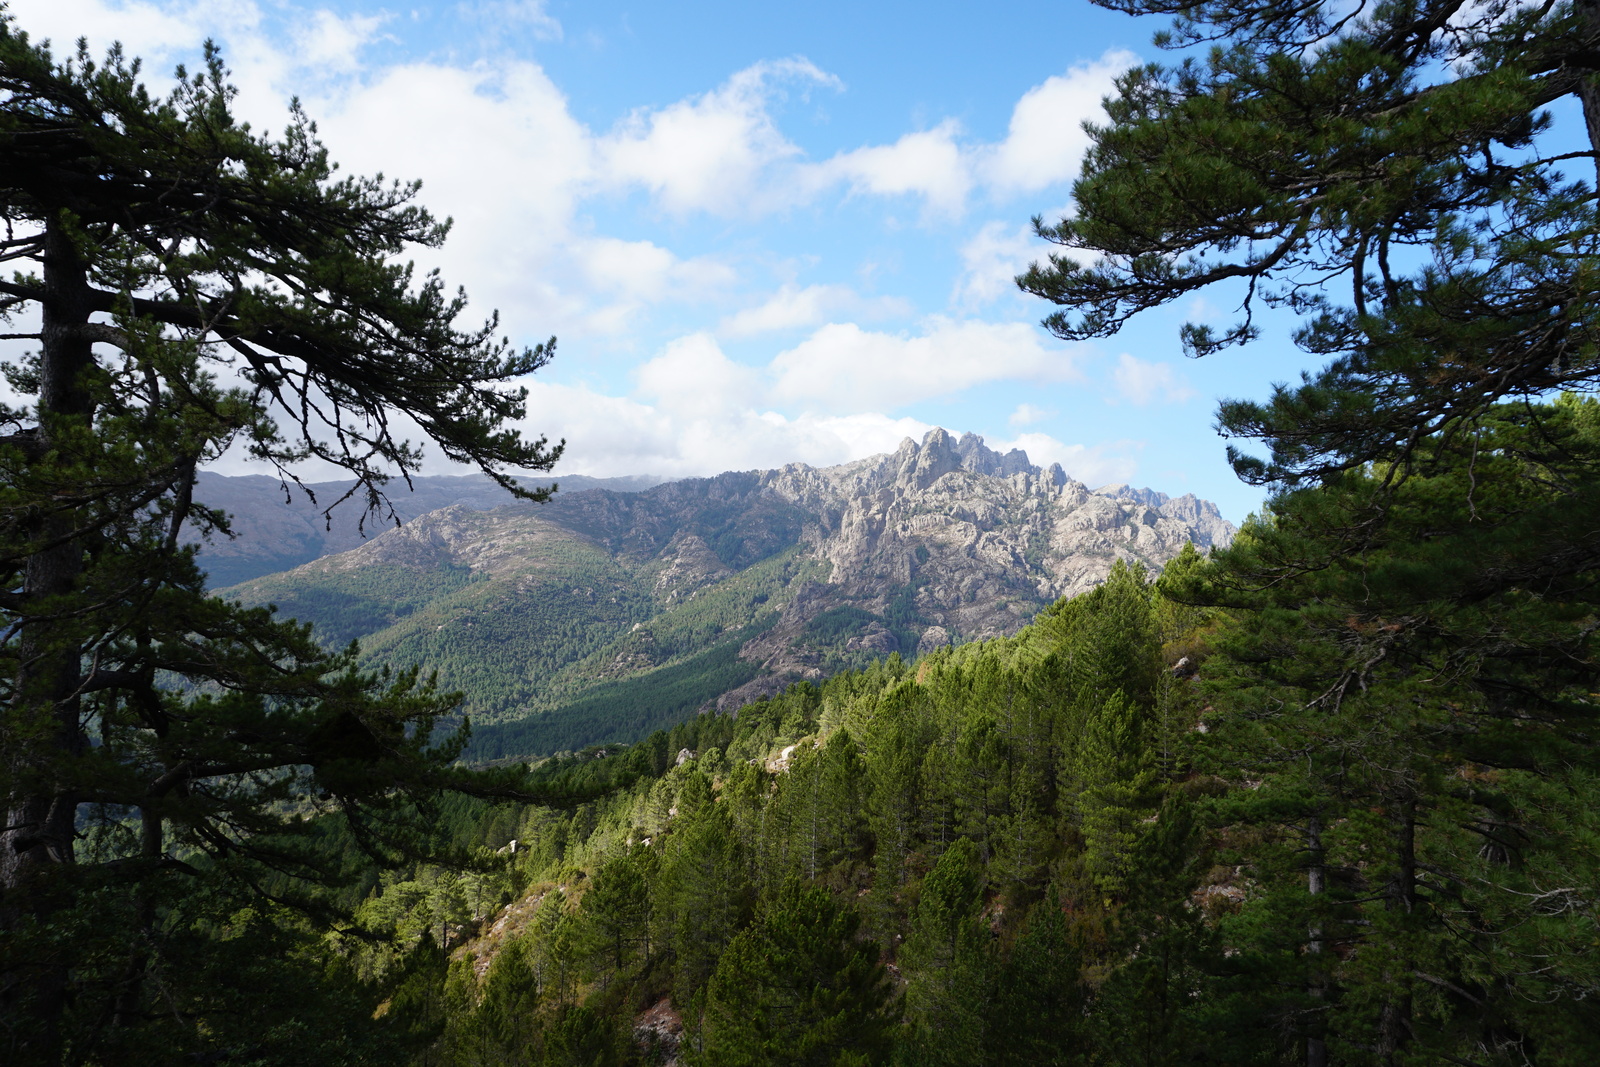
(761, 233)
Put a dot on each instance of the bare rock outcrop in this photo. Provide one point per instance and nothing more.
(982, 540)
(797, 572)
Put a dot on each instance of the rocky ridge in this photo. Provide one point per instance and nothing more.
(278, 526)
(943, 540)
(980, 539)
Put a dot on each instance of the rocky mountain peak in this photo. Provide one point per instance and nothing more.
(981, 459)
(720, 589)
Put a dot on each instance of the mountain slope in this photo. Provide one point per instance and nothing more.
(604, 615)
(277, 527)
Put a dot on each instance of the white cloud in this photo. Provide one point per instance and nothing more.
(1027, 415)
(469, 135)
(608, 435)
(154, 31)
(1044, 146)
(638, 274)
(1146, 383)
(929, 164)
(843, 365)
(695, 411)
(529, 13)
(1093, 465)
(499, 149)
(722, 152)
(709, 153)
(691, 376)
(992, 259)
(1046, 141)
(332, 43)
(793, 307)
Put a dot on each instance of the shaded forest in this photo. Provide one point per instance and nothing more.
(1326, 796)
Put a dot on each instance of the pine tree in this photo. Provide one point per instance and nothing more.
(1314, 152)
(703, 897)
(1408, 669)
(800, 988)
(1114, 774)
(199, 287)
(948, 962)
(617, 912)
(1040, 995)
(1405, 713)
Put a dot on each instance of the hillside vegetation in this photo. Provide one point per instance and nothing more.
(603, 616)
(1072, 845)
(991, 849)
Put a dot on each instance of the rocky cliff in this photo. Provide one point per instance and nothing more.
(277, 526)
(721, 589)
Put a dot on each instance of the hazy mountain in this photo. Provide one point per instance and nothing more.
(604, 614)
(278, 526)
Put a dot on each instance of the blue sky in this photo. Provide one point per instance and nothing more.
(763, 233)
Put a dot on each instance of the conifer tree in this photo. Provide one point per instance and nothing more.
(948, 963)
(1390, 172)
(703, 897)
(1040, 995)
(617, 912)
(1114, 777)
(199, 287)
(798, 988)
(1406, 674)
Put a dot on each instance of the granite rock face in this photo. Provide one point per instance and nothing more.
(941, 541)
(973, 541)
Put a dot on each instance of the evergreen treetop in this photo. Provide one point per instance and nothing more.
(1390, 172)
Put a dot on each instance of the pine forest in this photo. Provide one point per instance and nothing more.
(1324, 791)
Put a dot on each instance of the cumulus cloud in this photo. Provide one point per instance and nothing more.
(1043, 146)
(1093, 465)
(610, 435)
(991, 261)
(708, 153)
(842, 364)
(722, 152)
(929, 164)
(793, 307)
(497, 147)
(1046, 141)
(332, 43)
(693, 377)
(695, 411)
(155, 31)
(647, 272)
(468, 134)
(1027, 415)
(1144, 383)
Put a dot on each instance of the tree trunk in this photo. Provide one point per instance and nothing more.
(1589, 87)
(130, 998)
(1394, 1025)
(43, 720)
(1316, 884)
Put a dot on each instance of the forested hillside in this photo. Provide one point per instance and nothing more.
(1089, 843)
(932, 758)
(998, 854)
(602, 616)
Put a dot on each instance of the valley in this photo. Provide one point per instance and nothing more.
(605, 615)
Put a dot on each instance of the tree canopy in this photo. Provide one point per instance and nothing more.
(1403, 687)
(1391, 172)
(182, 286)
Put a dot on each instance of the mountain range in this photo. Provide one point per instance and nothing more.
(612, 611)
(277, 525)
